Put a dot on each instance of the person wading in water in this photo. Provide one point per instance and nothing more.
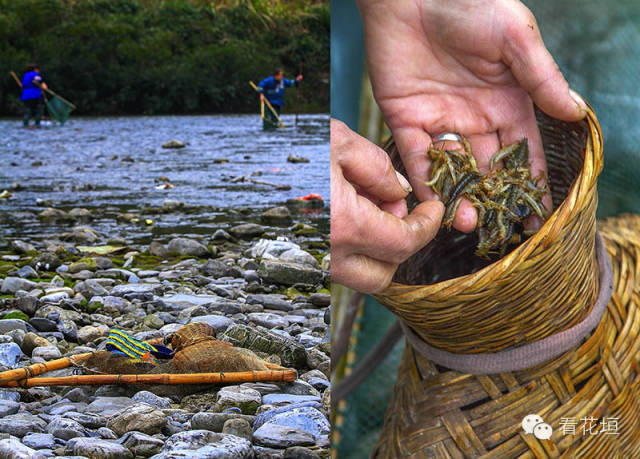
(273, 87)
(32, 86)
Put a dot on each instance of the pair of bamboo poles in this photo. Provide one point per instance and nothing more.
(25, 377)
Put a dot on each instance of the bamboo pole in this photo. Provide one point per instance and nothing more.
(39, 368)
(298, 93)
(164, 378)
(60, 97)
(273, 110)
(15, 77)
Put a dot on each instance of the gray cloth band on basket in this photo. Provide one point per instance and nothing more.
(531, 354)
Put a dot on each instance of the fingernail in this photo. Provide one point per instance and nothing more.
(582, 105)
(404, 183)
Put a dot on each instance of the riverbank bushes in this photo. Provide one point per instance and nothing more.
(165, 56)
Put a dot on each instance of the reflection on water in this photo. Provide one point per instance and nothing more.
(110, 165)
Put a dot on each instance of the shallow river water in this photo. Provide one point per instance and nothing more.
(114, 165)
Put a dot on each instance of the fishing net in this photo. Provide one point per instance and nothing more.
(59, 109)
(196, 350)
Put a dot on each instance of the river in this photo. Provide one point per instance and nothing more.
(112, 165)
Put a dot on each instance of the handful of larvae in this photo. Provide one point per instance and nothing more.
(503, 198)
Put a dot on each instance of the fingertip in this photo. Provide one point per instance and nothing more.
(580, 103)
(466, 217)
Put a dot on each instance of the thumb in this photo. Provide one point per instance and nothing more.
(425, 221)
(536, 71)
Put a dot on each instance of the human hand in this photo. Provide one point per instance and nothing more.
(463, 66)
(371, 231)
(261, 97)
(299, 77)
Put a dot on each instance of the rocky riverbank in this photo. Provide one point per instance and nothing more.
(258, 282)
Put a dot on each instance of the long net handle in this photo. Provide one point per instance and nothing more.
(15, 77)
(39, 368)
(60, 97)
(288, 375)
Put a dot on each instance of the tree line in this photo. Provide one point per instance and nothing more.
(165, 56)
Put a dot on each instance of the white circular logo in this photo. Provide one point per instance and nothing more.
(530, 421)
(542, 431)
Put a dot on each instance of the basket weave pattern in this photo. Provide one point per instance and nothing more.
(438, 413)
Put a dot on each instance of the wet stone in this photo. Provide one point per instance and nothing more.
(39, 441)
(8, 407)
(10, 285)
(45, 261)
(27, 304)
(205, 444)
(300, 452)
(277, 302)
(97, 448)
(247, 230)
(12, 448)
(287, 273)
(21, 246)
(10, 354)
(27, 272)
(47, 352)
(263, 452)
(43, 325)
(283, 399)
(152, 399)
(277, 216)
(215, 421)
(65, 429)
(141, 444)
(21, 424)
(90, 421)
(184, 246)
(320, 299)
(238, 427)
(219, 323)
(277, 436)
(248, 400)
(108, 406)
(140, 417)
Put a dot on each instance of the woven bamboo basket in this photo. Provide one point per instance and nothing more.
(459, 305)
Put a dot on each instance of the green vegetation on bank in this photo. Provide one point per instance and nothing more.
(165, 56)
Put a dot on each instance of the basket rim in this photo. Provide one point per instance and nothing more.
(587, 177)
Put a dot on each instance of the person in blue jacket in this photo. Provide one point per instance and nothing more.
(273, 88)
(32, 86)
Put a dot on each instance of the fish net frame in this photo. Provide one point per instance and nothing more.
(199, 360)
(543, 287)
